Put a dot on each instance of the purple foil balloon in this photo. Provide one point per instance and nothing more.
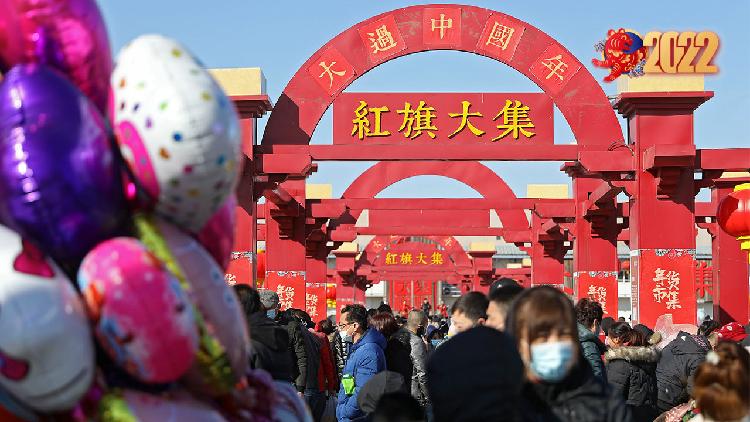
(59, 182)
(68, 35)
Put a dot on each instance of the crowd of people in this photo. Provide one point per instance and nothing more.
(513, 355)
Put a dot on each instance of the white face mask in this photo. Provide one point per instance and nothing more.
(345, 336)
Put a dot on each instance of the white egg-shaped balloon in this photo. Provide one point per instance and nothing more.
(46, 348)
(176, 128)
(214, 298)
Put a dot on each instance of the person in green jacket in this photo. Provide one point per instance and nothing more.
(589, 315)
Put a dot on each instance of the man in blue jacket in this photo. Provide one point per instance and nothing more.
(366, 358)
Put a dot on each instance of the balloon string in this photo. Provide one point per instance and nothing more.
(212, 357)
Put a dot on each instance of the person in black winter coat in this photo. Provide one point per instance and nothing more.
(589, 316)
(397, 349)
(631, 370)
(677, 364)
(560, 384)
(269, 341)
(297, 351)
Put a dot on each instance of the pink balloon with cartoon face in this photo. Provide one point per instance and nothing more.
(214, 298)
(142, 317)
(178, 406)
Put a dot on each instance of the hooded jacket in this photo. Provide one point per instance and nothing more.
(418, 356)
(677, 364)
(593, 349)
(580, 397)
(366, 358)
(631, 372)
(270, 347)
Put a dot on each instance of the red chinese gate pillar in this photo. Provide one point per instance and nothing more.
(595, 247)
(662, 210)
(285, 235)
(547, 257)
(730, 266)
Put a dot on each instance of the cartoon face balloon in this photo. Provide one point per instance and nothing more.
(46, 351)
(176, 128)
(68, 35)
(142, 318)
(137, 406)
(212, 296)
(59, 185)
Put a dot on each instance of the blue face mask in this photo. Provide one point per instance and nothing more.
(436, 343)
(551, 361)
(271, 313)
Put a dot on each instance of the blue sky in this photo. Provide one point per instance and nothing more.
(280, 35)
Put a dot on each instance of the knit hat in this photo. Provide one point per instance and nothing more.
(732, 332)
(268, 298)
(379, 384)
(476, 375)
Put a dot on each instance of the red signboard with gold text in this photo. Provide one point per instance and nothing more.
(599, 286)
(290, 286)
(315, 301)
(663, 282)
(442, 118)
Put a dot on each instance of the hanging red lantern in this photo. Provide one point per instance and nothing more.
(733, 214)
(331, 291)
(260, 268)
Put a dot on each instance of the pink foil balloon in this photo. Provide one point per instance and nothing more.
(217, 236)
(141, 315)
(68, 35)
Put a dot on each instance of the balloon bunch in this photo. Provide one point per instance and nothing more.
(116, 205)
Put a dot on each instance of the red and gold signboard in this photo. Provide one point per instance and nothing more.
(500, 37)
(599, 286)
(381, 39)
(663, 282)
(399, 258)
(441, 26)
(290, 286)
(331, 71)
(554, 68)
(442, 118)
(315, 301)
(240, 269)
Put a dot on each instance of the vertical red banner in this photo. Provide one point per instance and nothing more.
(664, 284)
(315, 301)
(290, 286)
(240, 269)
(599, 286)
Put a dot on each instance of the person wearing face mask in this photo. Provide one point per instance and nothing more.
(560, 384)
(411, 336)
(269, 341)
(589, 315)
(366, 358)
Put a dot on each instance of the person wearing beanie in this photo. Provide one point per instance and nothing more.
(501, 296)
(476, 376)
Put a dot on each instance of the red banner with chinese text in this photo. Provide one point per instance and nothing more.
(315, 301)
(410, 257)
(663, 282)
(599, 286)
(402, 293)
(430, 118)
(290, 286)
(240, 269)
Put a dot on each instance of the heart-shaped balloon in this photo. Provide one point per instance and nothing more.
(59, 183)
(214, 298)
(68, 35)
(46, 350)
(176, 128)
(142, 317)
(217, 236)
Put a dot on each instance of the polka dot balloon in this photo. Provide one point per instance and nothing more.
(177, 130)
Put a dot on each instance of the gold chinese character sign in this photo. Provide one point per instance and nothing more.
(442, 118)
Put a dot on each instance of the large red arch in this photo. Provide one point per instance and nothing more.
(303, 102)
(472, 173)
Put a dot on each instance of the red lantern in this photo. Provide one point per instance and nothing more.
(330, 291)
(260, 268)
(733, 214)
